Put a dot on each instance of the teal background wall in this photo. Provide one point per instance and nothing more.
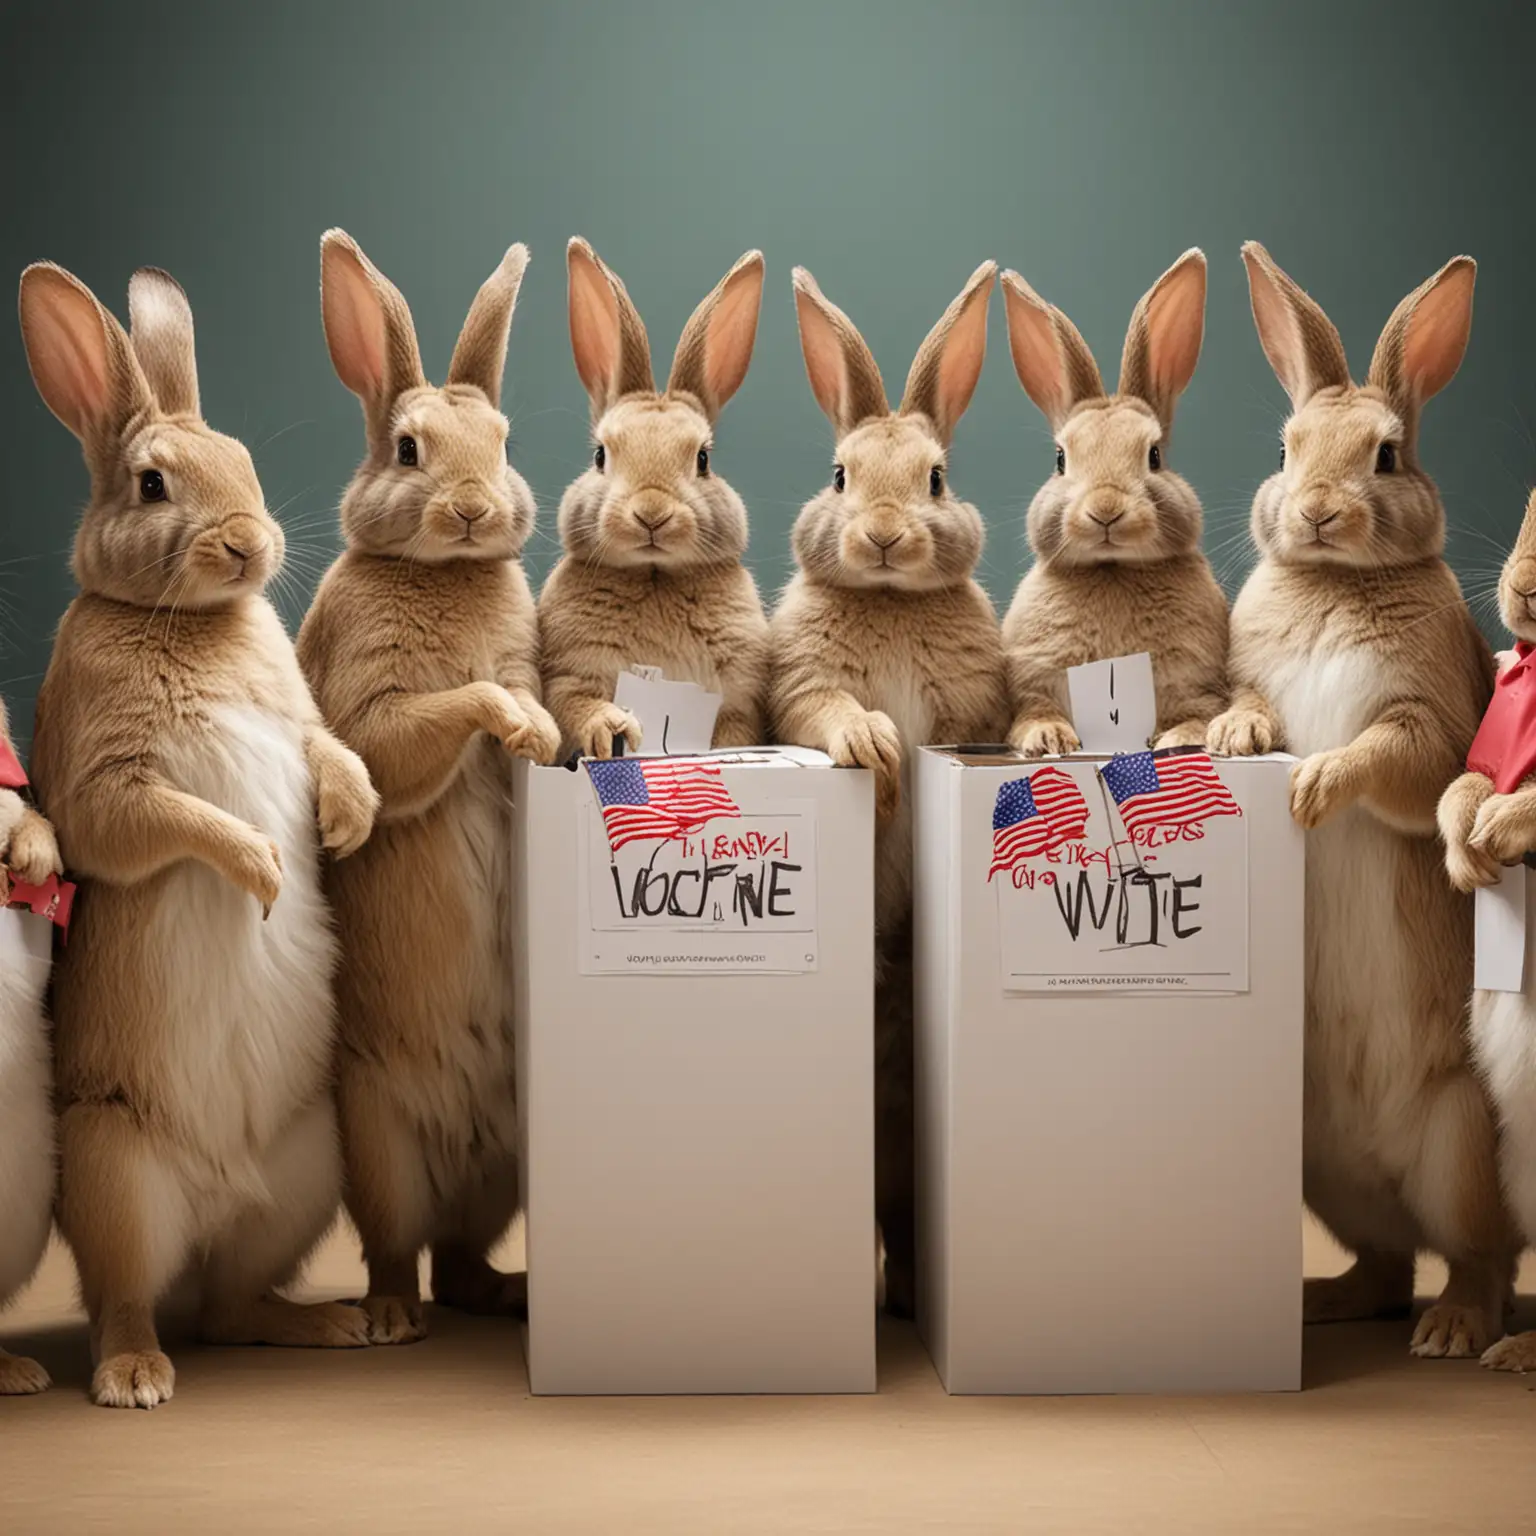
(889, 145)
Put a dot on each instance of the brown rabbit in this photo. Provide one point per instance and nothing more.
(884, 642)
(1352, 647)
(653, 536)
(422, 649)
(1483, 831)
(28, 851)
(1114, 531)
(185, 766)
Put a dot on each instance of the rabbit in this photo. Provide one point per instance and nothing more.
(1352, 647)
(883, 641)
(1485, 827)
(1115, 533)
(192, 783)
(653, 537)
(29, 851)
(422, 649)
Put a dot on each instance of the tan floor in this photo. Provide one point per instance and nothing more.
(444, 1436)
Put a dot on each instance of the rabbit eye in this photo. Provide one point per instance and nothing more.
(839, 477)
(1154, 457)
(151, 486)
(1282, 455)
(936, 480)
(1386, 459)
(599, 456)
(405, 452)
(703, 461)
(1061, 461)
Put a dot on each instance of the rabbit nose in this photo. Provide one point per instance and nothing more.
(889, 543)
(470, 511)
(1317, 517)
(1105, 522)
(236, 552)
(652, 518)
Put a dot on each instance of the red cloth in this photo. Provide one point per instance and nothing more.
(52, 899)
(12, 774)
(1504, 748)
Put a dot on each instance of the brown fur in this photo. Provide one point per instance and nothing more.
(884, 642)
(422, 648)
(1351, 646)
(186, 1139)
(654, 537)
(1116, 543)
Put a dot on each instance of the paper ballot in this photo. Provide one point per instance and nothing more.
(1114, 704)
(675, 718)
(1500, 927)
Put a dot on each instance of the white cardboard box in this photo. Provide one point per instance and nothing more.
(698, 1161)
(1109, 1185)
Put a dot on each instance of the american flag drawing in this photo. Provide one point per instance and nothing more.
(1034, 815)
(1174, 791)
(658, 797)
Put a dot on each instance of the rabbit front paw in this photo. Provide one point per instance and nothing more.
(346, 803)
(1043, 738)
(1240, 733)
(33, 854)
(256, 866)
(596, 734)
(1469, 868)
(1505, 829)
(871, 740)
(1188, 733)
(1321, 786)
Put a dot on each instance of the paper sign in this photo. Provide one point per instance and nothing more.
(675, 718)
(739, 895)
(1500, 930)
(1114, 704)
(1087, 904)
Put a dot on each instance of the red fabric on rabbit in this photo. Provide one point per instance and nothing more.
(1504, 748)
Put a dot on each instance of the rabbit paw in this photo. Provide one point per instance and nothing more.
(393, 1319)
(1451, 1331)
(1517, 1352)
(346, 803)
(1043, 738)
(20, 1377)
(1470, 868)
(1505, 829)
(256, 866)
(523, 731)
(142, 1378)
(871, 740)
(595, 737)
(1321, 786)
(33, 854)
(1240, 733)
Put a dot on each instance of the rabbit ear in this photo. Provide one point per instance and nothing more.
(613, 355)
(1049, 354)
(1298, 338)
(843, 375)
(1426, 338)
(716, 345)
(1162, 345)
(368, 329)
(480, 353)
(81, 360)
(160, 328)
(948, 364)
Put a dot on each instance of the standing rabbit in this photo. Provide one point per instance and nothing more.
(1488, 819)
(883, 642)
(653, 537)
(186, 767)
(28, 851)
(1352, 647)
(1115, 533)
(422, 649)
